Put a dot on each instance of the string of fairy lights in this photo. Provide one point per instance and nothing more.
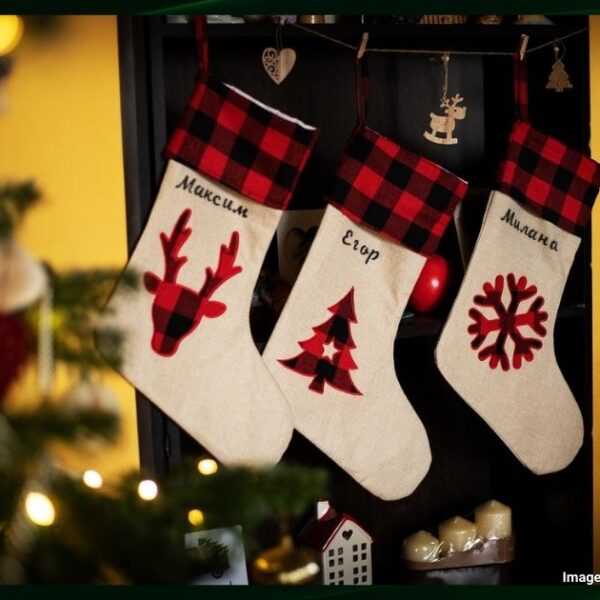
(40, 509)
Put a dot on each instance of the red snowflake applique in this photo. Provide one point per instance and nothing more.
(508, 322)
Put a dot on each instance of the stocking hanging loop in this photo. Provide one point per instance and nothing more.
(362, 81)
(201, 42)
(521, 95)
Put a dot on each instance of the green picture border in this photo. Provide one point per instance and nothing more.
(408, 7)
(398, 592)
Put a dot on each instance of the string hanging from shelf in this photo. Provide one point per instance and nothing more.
(432, 51)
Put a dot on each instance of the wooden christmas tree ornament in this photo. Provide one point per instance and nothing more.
(279, 61)
(442, 126)
(559, 78)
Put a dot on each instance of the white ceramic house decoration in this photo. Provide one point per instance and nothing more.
(343, 545)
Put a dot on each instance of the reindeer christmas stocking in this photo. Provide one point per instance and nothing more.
(332, 349)
(497, 348)
(187, 337)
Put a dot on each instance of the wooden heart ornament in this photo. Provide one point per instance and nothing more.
(278, 63)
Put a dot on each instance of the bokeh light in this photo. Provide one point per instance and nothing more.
(207, 466)
(196, 517)
(93, 479)
(147, 489)
(39, 509)
(11, 31)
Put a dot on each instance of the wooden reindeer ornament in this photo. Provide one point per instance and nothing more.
(442, 126)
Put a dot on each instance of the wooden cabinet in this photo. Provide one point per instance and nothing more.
(553, 513)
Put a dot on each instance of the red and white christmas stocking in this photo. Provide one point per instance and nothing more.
(497, 348)
(332, 350)
(233, 166)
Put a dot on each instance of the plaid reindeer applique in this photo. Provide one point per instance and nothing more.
(177, 309)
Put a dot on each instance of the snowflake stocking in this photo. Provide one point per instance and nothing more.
(332, 349)
(497, 348)
(233, 167)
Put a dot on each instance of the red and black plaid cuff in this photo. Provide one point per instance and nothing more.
(239, 142)
(552, 180)
(401, 195)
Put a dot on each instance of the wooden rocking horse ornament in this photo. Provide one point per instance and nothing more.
(442, 126)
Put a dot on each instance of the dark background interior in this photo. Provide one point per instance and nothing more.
(552, 514)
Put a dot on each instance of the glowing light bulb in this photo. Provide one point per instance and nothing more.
(39, 509)
(93, 479)
(11, 31)
(196, 516)
(147, 489)
(208, 466)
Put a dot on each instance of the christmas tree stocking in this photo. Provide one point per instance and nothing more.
(497, 348)
(332, 350)
(233, 166)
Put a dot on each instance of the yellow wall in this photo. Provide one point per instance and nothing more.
(63, 129)
(595, 121)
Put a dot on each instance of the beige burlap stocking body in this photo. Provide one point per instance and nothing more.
(332, 350)
(497, 347)
(233, 166)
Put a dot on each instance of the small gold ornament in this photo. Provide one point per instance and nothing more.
(444, 124)
(285, 565)
(559, 78)
(279, 61)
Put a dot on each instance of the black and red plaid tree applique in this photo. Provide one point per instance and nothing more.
(177, 309)
(507, 322)
(327, 355)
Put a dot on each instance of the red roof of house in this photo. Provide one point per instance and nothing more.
(318, 533)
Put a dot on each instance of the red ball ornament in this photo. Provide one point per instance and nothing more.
(14, 349)
(431, 286)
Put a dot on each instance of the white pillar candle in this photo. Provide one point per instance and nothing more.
(421, 547)
(457, 534)
(493, 520)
